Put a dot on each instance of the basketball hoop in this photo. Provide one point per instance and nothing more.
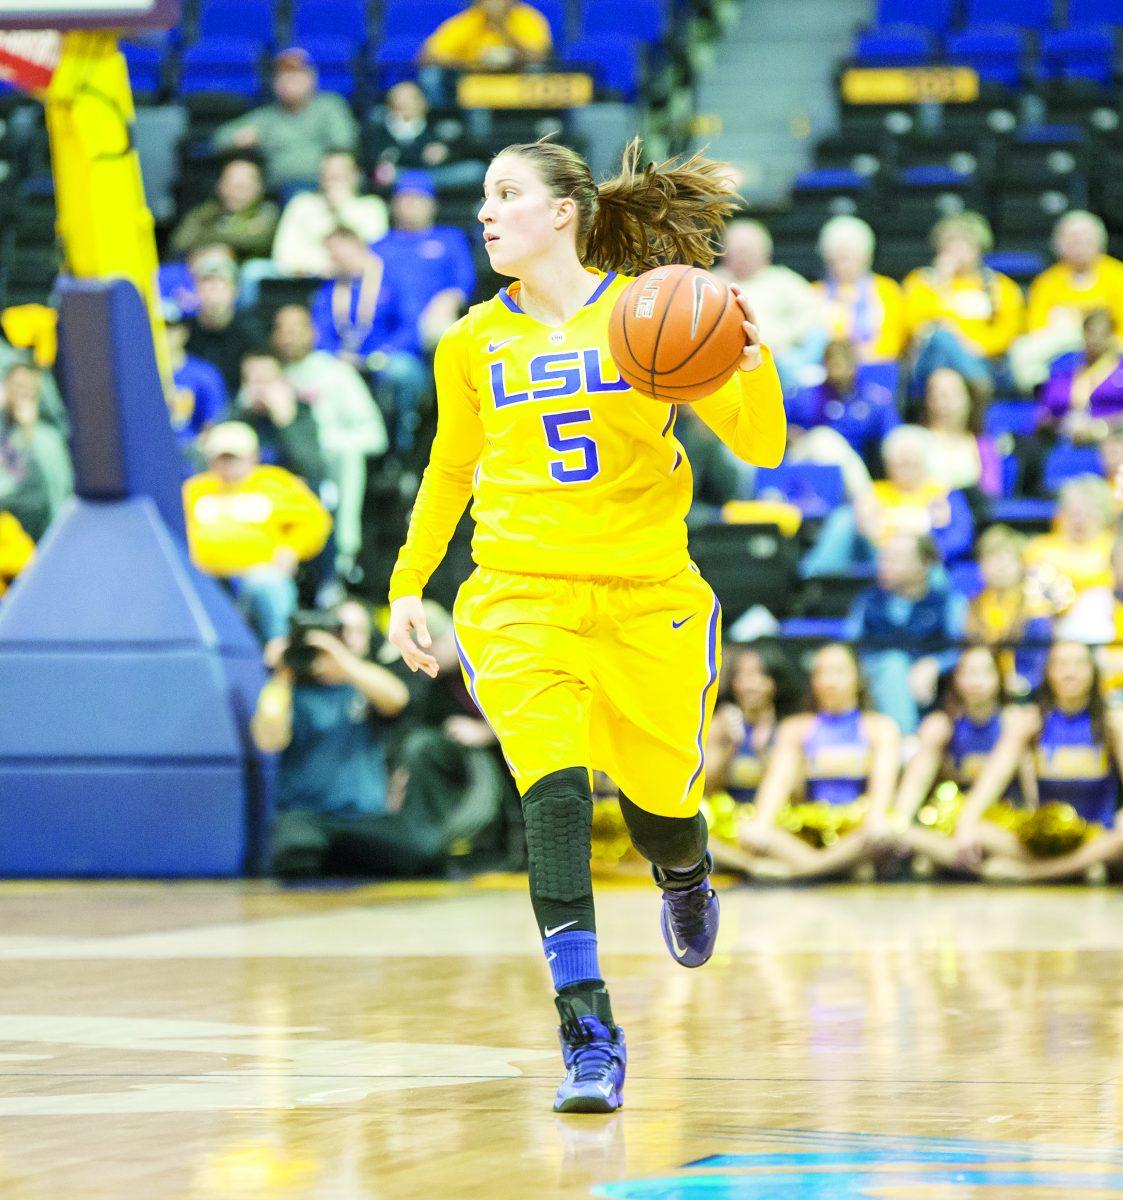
(29, 57)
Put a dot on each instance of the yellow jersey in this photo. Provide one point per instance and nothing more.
(571, 472)
(1059, 287)
(985, 306)
(469, 39)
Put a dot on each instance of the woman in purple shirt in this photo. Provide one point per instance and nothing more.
(1083, 397)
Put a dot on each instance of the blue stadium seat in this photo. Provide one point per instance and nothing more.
(1023, 512)
(1079, 52)
(1026, 14)
(616, 65)
(416, 18)
(827, 629)
(884, 374)
(253, 20)
(557, 13)
(146, 68)
(335, 62)
(345, 20)
(996, 52)
(1066, 461)
(1020, 265)
(1016, 417)
(814, 488)
(895, 46)
(222, 65)
(831, 179)
(936, 176)
(393, 60)
(938, 15)
(966, 578)
(643, 19)
(1095, 12)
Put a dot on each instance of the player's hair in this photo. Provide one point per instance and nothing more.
(668, 212)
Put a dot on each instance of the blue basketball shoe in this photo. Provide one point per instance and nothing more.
(594, 1054)
(690, 916)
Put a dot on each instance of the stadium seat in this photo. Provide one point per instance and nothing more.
(895, 46)
(1015, 417)
(996, 52)
(416, 18)
(313, 20)
(1046, 157)
(824, 186)
(251, 20)
(884, 374)
(966, 578)
(222, 65)
(814, 488)
(1024, 216)
(938, 15)
(557, 13)
(146, 69)
(1022, 266)
(1095, 12)
(819, 629)
(1066, 461)
(1029, 514)
(394, 59)
(616, 65)
(608, 19)
(1026, 14)
(1080, 52)
(335, 62)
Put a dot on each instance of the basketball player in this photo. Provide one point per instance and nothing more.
(586, 635)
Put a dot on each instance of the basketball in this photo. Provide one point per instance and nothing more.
(676, 334)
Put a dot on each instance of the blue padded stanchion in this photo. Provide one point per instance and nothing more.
(128, 678)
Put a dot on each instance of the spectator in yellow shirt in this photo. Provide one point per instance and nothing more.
(857, 305)
(252, 526)
(960, 313)
(490, 35)
(16, 549)
(1082, 279)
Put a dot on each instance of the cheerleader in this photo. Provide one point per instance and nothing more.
(823, 803)
(1076, 748)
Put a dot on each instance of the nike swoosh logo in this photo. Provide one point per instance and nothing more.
(680, 624)
(551, 956)
(550, 932)
(605, 1090)
(701, 282)
(679, 949)
(492, 347)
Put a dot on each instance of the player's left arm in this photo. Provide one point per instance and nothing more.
(747, 413)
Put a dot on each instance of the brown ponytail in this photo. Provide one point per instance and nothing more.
(672, 212)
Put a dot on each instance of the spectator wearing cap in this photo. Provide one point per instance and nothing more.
(490, 35)
(361, 316)
(238, 215)
(309, 217)
(960, 313)
(252, 525)
(402, 136)
(349, 423)
(200, 396)
(295, 132)
(431, 263)
(218, 332)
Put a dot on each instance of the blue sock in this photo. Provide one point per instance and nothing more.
(573, 958)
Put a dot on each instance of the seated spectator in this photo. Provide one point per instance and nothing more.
(22, 423)
(1097, 620)
(51, 408)
(490, 35)
(1083, 397)
(1076, 750)
(325, 710)
(786, 305)
(349, 423)
(861, 411)
(716, 473)
(16, 549)
(857, 305)
(909, 500)
(842, 759)
(238, 215)
(308, 218)
(963, 458)
(1084, 278)
(282, 423)
(909, 628)
(953, 745)
(295, 132)
(1010, 614)
(959, 313)
(403, 137)
(253, 526)
(1076, 555)
(218, 332)
(200, 397)
(24, 492)
(362, 318)
(431, 264)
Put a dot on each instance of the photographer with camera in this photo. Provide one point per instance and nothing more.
(325, 711)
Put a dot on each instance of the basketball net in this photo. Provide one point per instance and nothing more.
(30, 57)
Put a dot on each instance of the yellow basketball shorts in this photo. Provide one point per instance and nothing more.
(612, 675)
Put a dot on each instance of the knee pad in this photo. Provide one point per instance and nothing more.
(558, 811)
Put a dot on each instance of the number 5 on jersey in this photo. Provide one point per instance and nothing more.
(571, 444)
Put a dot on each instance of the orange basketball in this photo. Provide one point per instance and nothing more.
(676, 334)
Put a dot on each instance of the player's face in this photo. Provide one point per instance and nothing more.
(834, 680)
(976, 678)
(753, 688)
(1070, 673)
(518, 214)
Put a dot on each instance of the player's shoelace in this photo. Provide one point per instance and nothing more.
(591, 1053)
(688, 911)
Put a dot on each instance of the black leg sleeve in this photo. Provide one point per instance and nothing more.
(558, 811)
(670, 843)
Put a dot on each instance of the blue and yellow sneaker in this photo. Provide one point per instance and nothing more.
(690, 916)
(594, 1054)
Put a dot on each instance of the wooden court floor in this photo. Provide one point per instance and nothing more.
(234, 1041)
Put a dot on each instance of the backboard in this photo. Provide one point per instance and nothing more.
(89, 14)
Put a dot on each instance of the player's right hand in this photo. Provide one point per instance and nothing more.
(407, 617)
